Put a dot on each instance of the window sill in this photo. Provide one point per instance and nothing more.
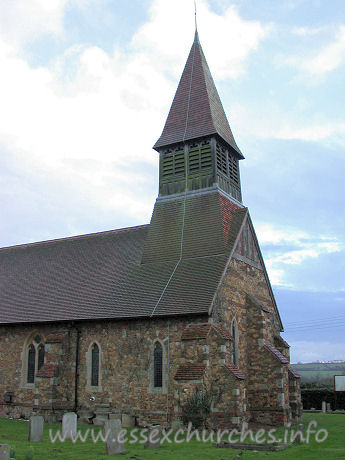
(93, 389)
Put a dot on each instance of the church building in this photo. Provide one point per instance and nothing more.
(129, 322)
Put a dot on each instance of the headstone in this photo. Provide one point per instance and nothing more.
(329, 407)
(299, 433)
(176, 424)
(324, 407)
(5, 450)
(100, 420)
(112, 430)
(128, 421)
(69, 425)
(36, 428)
(154, 437)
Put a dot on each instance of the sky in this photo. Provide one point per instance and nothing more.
(86, 86)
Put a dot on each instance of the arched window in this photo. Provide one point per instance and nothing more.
(33, 358)
(234, 349)
(94, 365)
(31, 364)
(158, 365)
(40, 361)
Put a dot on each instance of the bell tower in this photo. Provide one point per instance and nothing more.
(197, 149)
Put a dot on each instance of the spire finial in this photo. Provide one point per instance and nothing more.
(196, 24)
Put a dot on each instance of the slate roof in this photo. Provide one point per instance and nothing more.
(190, 371)
(67, 279)
(280, 357)
(128, 273)
(235, 371)
(196, 110)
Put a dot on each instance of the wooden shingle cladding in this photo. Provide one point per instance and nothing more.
(196, 110)
(197, 148)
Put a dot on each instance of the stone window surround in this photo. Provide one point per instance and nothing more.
(163, 388)
(88, 359)
(30, 340)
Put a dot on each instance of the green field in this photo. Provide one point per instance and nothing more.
(320, 373)
(15, 432)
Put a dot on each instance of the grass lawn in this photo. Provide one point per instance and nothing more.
(15, 432)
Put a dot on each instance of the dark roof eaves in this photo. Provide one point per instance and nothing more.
(71, 238)
(108, 318)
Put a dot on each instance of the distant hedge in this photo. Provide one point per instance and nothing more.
(313, 399)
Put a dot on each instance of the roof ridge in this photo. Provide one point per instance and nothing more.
(73, 237)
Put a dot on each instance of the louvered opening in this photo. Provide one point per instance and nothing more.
(234, 170)
(199, 158)
(173, 164)
(221, 160)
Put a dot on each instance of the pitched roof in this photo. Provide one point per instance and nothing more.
(190, 371)
(196, 110)
(280, 357)
(294, 372)
(235, 371)
(259, 304)
(201, 331)
(127, 273)
(196, 331)
(281, 342)
(68, 279)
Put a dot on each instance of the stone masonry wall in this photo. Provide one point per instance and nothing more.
(266, 380)
(126, 377)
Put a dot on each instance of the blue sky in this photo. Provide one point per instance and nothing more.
(85, 89)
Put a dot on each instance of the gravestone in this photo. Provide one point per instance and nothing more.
(299, 433)
(36, 428)
(128, 421)
(329, 407)
(5, 450)
(69, 425)
(176, 424)
(154, 437)
(324, 407)
(112, 430)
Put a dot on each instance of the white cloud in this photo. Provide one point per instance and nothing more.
(92, 117)
(308, 351)
(305, 246)
(329, 58)
(306, 31)
(21, 21)
(227, 39)
(276, 123)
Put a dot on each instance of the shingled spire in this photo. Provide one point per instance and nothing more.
(196, 110)
(197, 148)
